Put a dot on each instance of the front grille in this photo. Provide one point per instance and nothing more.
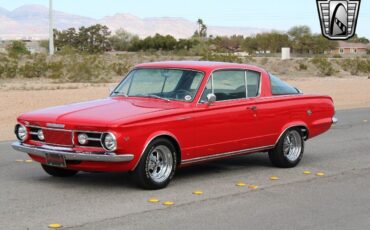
(58, 137)
(94, 139)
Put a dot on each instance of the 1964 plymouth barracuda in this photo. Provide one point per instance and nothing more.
(167, 115)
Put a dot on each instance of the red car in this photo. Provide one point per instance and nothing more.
(167, 115)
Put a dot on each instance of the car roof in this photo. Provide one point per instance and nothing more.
(198, 65)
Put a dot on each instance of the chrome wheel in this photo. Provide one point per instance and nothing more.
(160, 163)
(292, 145)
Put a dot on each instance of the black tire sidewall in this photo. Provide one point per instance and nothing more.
(277, 154)
(141, 172)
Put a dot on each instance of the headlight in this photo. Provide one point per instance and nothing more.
(109, 141)
(40, 135)
(82, 139)
(21, 132)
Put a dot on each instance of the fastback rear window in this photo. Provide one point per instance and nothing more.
(279, 87)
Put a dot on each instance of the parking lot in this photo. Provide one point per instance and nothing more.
(338, 199)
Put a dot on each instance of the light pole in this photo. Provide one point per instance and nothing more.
(51, 32)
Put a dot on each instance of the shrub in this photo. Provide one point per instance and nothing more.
(17, 48)
(302, 66)
(324, 66)
(356, 66)
(120, 68)
(337, 56)
(264, 61)
(86, 68)
(8, 67)
(36, 67)
(222, 58)
(55, 70)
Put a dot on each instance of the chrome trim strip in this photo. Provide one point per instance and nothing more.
(93, 139)
(231, 69)
(69, 154)
(54, 125)
(227, 154)
(67, 130)
(47, 128)
(334, 120)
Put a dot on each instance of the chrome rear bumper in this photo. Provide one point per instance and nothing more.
(69, 154)
(334, 120)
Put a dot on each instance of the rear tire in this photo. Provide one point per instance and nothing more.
(157, 166)
(58, 172)
(289, 150)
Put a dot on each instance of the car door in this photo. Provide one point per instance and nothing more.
(227, 124)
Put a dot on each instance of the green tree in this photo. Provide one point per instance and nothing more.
(201, 32)
(250, 44)
(93, 39)
(301, 38)
(320, 44)
(121, 41)
(17, 48)
(358, 39)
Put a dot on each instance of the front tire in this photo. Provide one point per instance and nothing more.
(157, 166)
(58, 172)
(289, 150)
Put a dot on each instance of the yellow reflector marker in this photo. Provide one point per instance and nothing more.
(153, 200)
(307, 172)
(28, 161)
(55, 226)
(252, 186)
(274, 178)
(320, 174)
(241, 184)
(198, 193)
(168, 203)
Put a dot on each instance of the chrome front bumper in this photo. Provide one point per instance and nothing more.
(69, 154)
(334, 120)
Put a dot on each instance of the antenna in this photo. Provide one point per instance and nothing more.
(51, 32)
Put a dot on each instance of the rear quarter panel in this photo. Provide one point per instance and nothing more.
(278, 113)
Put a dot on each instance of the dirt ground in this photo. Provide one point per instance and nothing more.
(353, 92)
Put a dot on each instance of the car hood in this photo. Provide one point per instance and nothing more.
(98, 112)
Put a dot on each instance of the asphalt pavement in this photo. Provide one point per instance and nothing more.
(30, 199)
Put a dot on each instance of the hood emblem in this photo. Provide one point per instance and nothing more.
(58, 126)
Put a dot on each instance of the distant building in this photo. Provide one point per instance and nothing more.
(350, 48)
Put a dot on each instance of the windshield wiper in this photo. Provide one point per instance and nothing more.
(158, 97)
(117, 93)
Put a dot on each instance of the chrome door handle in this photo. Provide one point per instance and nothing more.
(253, 108)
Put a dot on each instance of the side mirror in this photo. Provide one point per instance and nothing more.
(211, 98)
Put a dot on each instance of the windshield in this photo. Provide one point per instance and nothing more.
(166, 84)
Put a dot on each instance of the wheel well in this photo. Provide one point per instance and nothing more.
(303, 130)
(177, 146)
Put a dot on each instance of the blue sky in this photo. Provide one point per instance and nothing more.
(269, 14)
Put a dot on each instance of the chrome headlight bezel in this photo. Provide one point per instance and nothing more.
(23, 135)
(109, 141)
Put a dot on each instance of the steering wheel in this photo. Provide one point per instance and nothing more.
(181, 94)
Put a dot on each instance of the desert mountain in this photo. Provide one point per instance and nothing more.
(31, 21)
